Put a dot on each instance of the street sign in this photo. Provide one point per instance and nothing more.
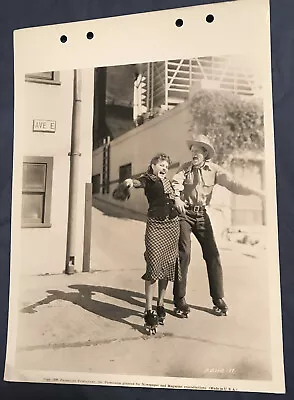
(40, 125)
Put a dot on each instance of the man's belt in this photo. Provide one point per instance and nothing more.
(190, 207)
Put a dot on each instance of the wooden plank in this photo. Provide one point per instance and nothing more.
(181, 78)
(178, 90)
(87, 227)
(179, 85)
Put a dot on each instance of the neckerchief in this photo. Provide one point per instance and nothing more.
(167, 187)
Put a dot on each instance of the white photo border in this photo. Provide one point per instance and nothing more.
(242, 26)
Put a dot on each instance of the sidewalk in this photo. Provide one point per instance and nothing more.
(93, 322)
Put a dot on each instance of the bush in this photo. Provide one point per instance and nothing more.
(233, 124)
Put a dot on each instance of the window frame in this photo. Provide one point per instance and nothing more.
(128, 165)
(96, 182)
(47, 192)
(32, 77)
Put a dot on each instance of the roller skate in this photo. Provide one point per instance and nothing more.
(220, 307)
(161, 314)
(151, 322)
(182, 309)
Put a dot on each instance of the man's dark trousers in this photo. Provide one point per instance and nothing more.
(199, 224)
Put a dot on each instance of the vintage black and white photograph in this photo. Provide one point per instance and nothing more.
(144, 226)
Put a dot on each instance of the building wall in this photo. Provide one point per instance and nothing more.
(44, 249)
(248, 210)
(168, 134)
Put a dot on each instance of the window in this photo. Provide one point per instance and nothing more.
(36, 192)
(96, 180)
(50, 77)
(125, 172)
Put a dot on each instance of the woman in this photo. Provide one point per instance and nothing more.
(161, 236)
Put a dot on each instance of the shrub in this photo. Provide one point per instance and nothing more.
(233, 124)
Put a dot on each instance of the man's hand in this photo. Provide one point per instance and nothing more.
(180, 205)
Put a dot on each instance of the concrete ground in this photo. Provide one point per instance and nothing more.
(92, 322)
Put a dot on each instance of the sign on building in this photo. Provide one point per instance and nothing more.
(40, 125)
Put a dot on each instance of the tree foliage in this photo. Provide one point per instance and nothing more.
(233, 124)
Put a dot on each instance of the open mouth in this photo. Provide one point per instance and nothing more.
(198, 159)
(161, 173)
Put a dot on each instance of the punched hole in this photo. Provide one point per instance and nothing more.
(90, 35)
(179, 22)
(209, 18)
(63, 39)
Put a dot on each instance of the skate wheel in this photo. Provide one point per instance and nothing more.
(220, 312)
(151, 330)
(216, 311)
(180, 314)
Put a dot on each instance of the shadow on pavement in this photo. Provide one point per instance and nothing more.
(83, 298)
(128, 296)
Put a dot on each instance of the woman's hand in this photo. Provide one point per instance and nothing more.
(129, 182)
(122, 191)
(180, 205)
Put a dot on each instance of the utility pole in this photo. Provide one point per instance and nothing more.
(73, 177)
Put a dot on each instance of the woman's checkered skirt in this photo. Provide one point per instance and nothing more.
(162, 249)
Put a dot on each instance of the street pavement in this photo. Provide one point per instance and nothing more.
(93, 322)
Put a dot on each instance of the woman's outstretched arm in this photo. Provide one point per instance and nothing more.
(136, 183)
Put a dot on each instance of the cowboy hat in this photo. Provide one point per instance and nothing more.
(202, 141)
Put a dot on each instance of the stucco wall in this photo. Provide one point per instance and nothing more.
(168, 134)
(44, 249)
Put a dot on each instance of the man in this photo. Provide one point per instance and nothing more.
(193, 184)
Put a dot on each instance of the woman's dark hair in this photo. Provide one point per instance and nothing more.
(158, 158)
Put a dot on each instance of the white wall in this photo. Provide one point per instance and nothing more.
(167, 133)
(44, 249)
(163, 134)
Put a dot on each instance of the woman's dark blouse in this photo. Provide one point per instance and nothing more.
(161, 204)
